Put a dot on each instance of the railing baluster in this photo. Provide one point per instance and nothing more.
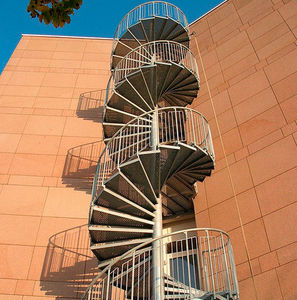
(181, 273)
(133, 270)
(188, 264)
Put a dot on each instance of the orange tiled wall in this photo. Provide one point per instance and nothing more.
(250, 56)
(249, 51)
(39, 93)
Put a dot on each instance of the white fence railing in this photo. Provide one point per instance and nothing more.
(150, 10)
(195, 263)
(157, 51)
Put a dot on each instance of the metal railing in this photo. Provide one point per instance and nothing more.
(157, 51)
(196, 262)
(176, 124)
(150, 10)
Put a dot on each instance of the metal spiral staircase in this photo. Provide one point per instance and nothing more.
(156, 150)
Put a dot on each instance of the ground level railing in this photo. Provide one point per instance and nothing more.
(195, 263)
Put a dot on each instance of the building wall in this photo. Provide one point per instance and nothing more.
(249, 52)
(40, 89)
(248, 49)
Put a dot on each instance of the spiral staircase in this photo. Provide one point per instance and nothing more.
(156, 150)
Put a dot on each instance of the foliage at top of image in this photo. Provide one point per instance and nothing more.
(56, 12)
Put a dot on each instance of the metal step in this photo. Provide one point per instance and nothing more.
(172, 205)
(114, 115)
(174, 70)
(189, 82)
(169, 27)
(175, 33)
(140, 177)
(184, 152)
(113, 200)
(168, 154)
(137, 31)
(181, 76)
(130, 92)
(123, 47)
(192, 177)
(108, 233)
(122, 103)
(177, 289)
(121, 185)
(109, 250)
(204, 160)
(176, 101)
(108, 216)
(194, 157)
(178, 195)
(183, 38)
(182, 185)
(151, 163)
(159, 25)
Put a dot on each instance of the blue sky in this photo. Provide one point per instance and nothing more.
(95, 18)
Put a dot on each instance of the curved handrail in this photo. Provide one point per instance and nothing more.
(149, 10)
(176, 124)
(156, 51)
(224, 245)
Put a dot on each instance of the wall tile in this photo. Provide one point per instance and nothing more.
(277, 192)
(273, 160)
(285, 234)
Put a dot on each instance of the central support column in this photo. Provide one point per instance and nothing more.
(157, 262)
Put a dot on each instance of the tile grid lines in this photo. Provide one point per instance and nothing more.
(256, 151)
(290, 29)
(249, 119)
(205, 78)
(34, 246)
(251, 43)
(52, 69)
(43, 207)
(280, 265)
(257, 219)
(267, 145)
(15, 151)
(66, 117)
(222, 159)
(230, 176)
(268, 241)
(256, 185)
(266, 234)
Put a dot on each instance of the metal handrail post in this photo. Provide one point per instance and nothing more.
(193, 130)
(133, 270)
(205, 135)
(176, 124)
(188, 260)
(232, 263)
(225, 262)
(119, 150)
(107, 284)
(210, 263)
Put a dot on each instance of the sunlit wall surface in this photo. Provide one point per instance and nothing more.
(248, 49)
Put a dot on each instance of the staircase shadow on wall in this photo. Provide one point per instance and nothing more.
(80, 163)
(80, 166)
(89, 108)
(69, 265)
